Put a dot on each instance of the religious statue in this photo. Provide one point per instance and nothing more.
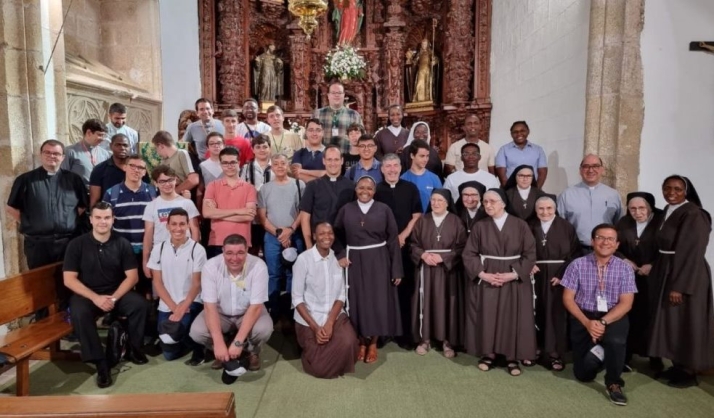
(422, 72)
(348, 17)
(268, 77)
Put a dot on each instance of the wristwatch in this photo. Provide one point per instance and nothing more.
(604, 322)
(240, 344)
(278, 232)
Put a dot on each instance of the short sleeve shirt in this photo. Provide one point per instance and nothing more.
(81, 158)
(234, 295)
(229, 197)
(177, 266)
(581, 276)
(309, 159)
(453, 155)
(101, 266)
(157, 211)
(180, 161)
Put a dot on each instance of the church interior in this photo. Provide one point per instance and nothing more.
(624, 79)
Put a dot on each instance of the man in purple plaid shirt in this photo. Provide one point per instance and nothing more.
(598, 292)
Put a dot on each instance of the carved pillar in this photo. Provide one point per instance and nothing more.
(614, 111)
(394, 57)
(206, 39)
(232, 52)
(458, 53)
(482, 65)
(299, 69)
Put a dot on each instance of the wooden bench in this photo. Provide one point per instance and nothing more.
(164, 405)
(23, 295)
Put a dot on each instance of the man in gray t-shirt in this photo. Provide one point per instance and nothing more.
(278, 212)
(199, 130)
(83, 156)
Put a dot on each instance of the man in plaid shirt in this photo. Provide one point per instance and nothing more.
(336, 118)
(598, 292)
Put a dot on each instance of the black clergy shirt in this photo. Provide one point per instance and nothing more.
(403, 199)
(48, 203)
(100, 266)
(323, 198)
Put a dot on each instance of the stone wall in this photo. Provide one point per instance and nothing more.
(82, 28)
(539, 57)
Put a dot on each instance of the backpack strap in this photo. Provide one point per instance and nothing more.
(114, 194)
(161, 251)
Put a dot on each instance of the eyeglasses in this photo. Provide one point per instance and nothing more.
(337, 93)
(213, 144)
(600, 238)
(469, 195)
(590, 167)
(229, 163)
(314, 130)
(166, 181)
(524, 176)
(366, 146)
(52, 154)
(137, 167)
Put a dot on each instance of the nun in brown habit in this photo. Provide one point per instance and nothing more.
(468, 206)
(498, 259)
(438, 239)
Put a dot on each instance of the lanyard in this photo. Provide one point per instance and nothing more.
(278, 147)
(601, 270)
(89, 153)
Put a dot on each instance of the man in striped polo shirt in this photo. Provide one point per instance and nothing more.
(129, 199)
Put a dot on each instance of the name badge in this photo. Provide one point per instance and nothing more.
(335, 132)
(601, 303)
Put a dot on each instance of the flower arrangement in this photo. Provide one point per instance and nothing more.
(344, 63)
(295, 127)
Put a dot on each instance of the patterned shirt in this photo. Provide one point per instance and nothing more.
(581, 276)
(339, 119)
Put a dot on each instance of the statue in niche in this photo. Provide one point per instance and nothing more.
(348, 17)
(268, 76)
(422, 66)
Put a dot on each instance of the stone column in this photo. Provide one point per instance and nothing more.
(614, 95)
(22, 110)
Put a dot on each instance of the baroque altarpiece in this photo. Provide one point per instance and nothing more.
(233, 33)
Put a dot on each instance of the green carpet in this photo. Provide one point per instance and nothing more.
(400, 384)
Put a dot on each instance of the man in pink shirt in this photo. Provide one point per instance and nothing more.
(230, 203)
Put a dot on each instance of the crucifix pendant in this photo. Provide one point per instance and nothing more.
(544, 241)
(361, 224)
(525, 205)
(438, 237)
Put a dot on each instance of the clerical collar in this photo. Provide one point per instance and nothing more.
(332, 178)
(392, 185)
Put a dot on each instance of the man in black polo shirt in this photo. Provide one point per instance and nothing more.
(110, 172)
(403, 199)
(47, 202)
(324, 196)
(101, 269)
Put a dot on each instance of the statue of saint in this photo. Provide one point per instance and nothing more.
(348, 17)
(268, 75)
(421, 73)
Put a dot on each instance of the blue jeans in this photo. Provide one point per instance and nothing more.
(272, 250)
(186, 321)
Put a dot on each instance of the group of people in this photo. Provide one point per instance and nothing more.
(372, 237)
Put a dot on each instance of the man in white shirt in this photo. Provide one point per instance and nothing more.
(117, 125)
(156, 212)
(471, 128)
(470, 157)
(176, 269)
(234, 288)
(251, 127)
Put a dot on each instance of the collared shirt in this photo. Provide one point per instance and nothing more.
(48, 203)
(511, 156)
(402, 198)
(286, 143)
(129, 209)
(318, 283)
(101, 266)
(107, 174)
(581, 276)
(229, 197)
(358, 171)
(177, 267)
(81, 158)
(129, 132)
(309, 159)
(197, 132)
(586, 207)
(339, 119)
(234, 295)
(457, 178)
(453, 155)
(324, 197)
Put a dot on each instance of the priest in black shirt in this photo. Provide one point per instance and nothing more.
(101, 269)
(47, 202)
(403, 199)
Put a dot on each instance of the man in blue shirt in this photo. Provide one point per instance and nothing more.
(367, 164)
(519, 152)
(425, 180)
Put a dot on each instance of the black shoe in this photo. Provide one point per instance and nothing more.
(656, 364)
(136, 356)
(682, 380)
(614, 391)
(197, 358)
(104, 376)
(666, 374)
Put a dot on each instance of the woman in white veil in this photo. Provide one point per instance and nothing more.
(421, 130)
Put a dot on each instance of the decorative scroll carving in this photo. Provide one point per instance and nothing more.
(458, 53)
(81, 108)
(207, 44)
(230, 53)
(299, 68)
(483, 48)
(142, 121)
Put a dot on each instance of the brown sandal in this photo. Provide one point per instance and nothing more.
(371, 354)
(362, 352)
